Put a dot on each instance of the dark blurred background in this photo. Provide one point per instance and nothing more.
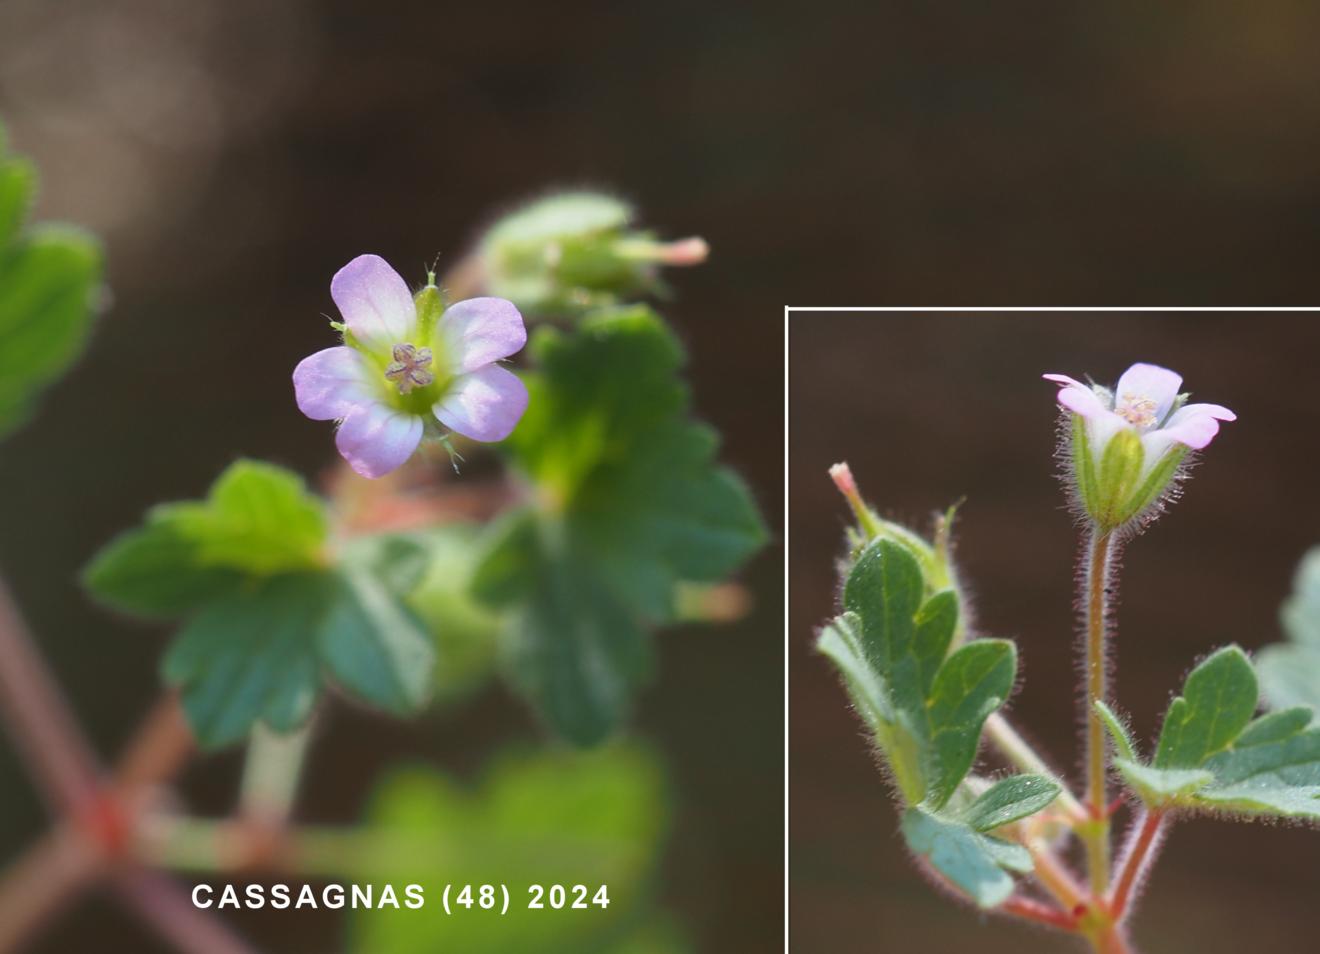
(232, 156)
(930, 407)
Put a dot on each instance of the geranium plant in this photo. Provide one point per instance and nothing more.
(600, 514)
(930, 690)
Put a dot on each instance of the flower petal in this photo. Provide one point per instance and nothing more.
(1194, 425)
(329, 384)
(1152, 382)
(485, 405)
(375, 302)
(375, 439)
(1077, 397)
(481, 330)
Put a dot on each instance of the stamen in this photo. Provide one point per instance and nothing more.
(408, 368)
(1137, 409)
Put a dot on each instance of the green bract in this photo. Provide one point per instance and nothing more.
(1213, 756)
(269, 611)
(49, 276)
(551, 819)
(629, 502)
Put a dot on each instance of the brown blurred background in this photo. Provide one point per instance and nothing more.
(233, 155)
(930, 407)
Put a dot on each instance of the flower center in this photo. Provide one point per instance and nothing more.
(1137, 410)
(409, 368)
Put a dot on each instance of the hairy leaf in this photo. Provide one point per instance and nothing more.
(1009, 800)
(1290, 671)
(978, 864)
(1218, 699)
(925, 706)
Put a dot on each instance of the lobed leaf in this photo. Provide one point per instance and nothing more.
(1290, 671)
(630, 502)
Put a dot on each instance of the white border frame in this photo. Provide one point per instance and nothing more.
(788, 314)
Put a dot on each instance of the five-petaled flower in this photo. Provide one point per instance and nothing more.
(407, 363)
(1128, 445)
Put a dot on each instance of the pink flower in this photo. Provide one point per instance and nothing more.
(408, 365)
(1147, 402)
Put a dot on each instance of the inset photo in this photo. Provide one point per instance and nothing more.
(1054, 631)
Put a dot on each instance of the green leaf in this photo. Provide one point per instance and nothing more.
(1289, 672)
(976, 863)
(1010, 800)
(49, 276)
(371, 643)
(549, 818)
(257, 521)
(926, 708)
(630, 503)
(250, 656)
(1161, 787)
(270, 613)
(1218, 700)
(1216, 758)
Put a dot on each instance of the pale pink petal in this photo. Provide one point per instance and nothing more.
(375, 439)
(481, 330)
(1082, 400)
(1195, 425)
(329, 384)
(485, 405)
(1078, 397)
(375, 302)
(1151, 382)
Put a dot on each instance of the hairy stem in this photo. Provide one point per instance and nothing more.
(159, 749)
(1136, 862)
(1054, 876)
(1095, 834)
(271, 773)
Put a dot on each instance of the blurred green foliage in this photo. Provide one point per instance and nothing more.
(548, 818)
(49, 277)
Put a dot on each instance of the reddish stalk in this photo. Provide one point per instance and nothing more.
(169, 910)
(43, 881)
(40, 721)
(159, 749)
(1035, 911)
(1095, 834)
(1135, 862)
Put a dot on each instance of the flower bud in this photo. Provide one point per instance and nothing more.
(932, 556)
(566, 253)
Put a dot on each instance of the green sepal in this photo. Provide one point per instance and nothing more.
(979, 865)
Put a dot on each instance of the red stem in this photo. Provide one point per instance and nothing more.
(168, 909)
(1032, 910)
(1137, 857)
